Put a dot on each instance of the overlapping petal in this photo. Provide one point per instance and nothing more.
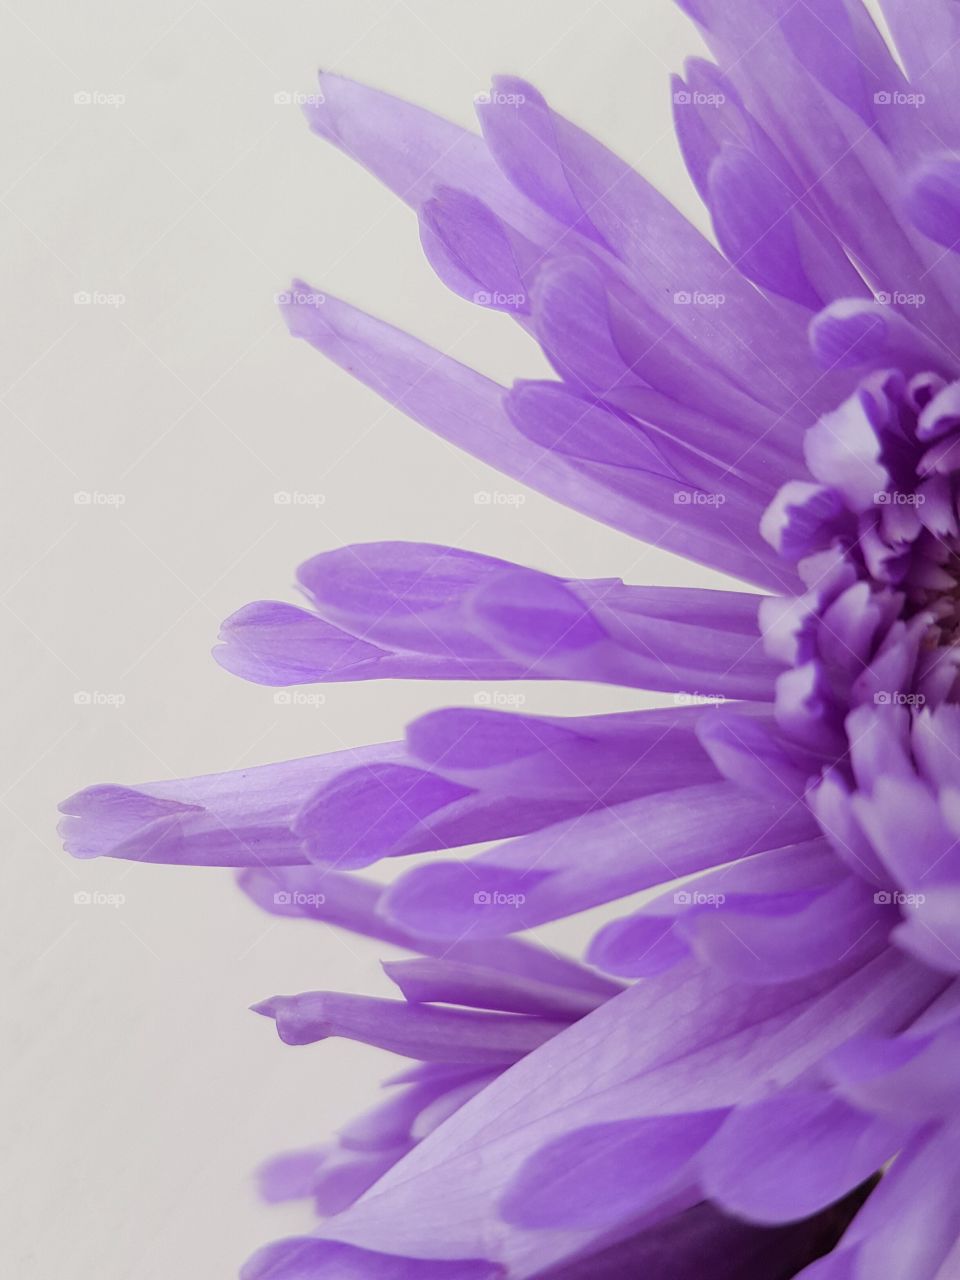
(783, 405)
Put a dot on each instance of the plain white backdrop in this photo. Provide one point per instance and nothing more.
(151, 167)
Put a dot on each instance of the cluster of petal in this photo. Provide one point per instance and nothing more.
(784, 408)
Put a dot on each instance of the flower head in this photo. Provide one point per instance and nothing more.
(715, 1089)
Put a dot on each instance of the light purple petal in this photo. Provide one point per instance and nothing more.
(424, 1033)
(634, 846)
(305, 1258)
(791, 1155)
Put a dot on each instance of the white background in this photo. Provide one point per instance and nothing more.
(140, 1091)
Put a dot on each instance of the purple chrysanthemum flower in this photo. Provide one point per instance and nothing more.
(713, 1092)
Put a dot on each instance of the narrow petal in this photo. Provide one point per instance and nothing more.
(445, 981)
(468, 410)
(681, 1042)
(636, 845)
(424, 1033)
(305, 1258)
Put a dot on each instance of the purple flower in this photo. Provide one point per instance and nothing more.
(787, 411)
